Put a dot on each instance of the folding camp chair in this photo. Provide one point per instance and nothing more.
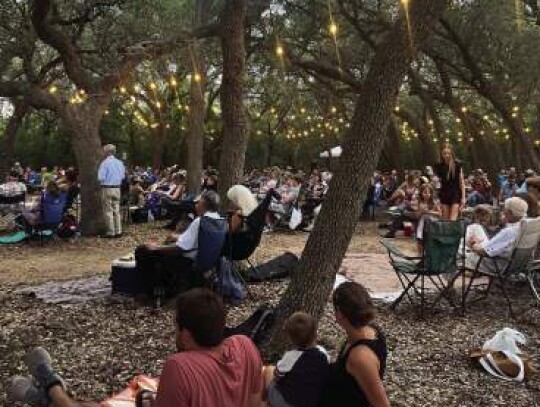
(441, 240)
(176, 273)
(518, 267)
(52, 214)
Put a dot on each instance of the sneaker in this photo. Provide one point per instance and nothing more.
(39, 365)
(23, 390)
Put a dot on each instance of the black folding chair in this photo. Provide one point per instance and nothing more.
(241, 245)
(441, 241)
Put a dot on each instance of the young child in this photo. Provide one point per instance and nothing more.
(298, 377)
(425, 207)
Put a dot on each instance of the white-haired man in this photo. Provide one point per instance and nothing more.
(111, 173)
(500, 245)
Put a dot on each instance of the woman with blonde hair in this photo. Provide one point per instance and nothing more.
(452, 193)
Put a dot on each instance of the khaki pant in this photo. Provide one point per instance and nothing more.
(113, 217)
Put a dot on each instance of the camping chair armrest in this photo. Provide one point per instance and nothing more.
(534, 265)
(394, 251)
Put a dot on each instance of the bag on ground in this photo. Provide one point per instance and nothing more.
(279, 267)
(501, 357)
(296, 218)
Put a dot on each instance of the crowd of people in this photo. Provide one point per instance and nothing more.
(210, 369)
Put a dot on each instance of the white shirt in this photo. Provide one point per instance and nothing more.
(190, 238)
(502, 243)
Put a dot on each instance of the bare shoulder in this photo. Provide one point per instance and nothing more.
(362, 359)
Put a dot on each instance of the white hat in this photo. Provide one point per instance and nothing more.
(517, 206)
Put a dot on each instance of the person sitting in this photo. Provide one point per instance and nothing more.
(136, 193)
(207, 369)
(12, 193)
(242, 203)
(509, 188)
(500, 245)
(177, 203)
(298, 378)
(176, 260)
(356, 377)
(534, 210)
(71, 186)
(424, 207)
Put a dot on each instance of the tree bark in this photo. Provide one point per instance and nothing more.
(83, 122)
(195, 136)
(312, 283)
(158, 147)
(235, 121)
(10, 135)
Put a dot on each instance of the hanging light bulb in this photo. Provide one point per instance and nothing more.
(123, 89)
(279, 50)
(153, 86)
(53, 89)
(197, 77)
(333, 28)
(174, 83)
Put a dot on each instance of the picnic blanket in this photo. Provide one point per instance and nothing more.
(71, 292)
(127, 397)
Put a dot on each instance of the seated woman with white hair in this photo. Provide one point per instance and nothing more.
(500, 245)
(242, 203)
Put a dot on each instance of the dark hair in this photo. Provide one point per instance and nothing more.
(354, 303)
(14, 174)
(301, 329)
(53, 189)
(202, 313)
(533, 210)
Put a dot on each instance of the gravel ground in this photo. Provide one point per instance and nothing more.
(98, 347)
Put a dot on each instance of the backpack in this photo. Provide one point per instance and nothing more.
(227, 283)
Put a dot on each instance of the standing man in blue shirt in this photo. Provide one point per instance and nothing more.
(111, 173)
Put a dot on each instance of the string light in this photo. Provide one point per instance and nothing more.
(464, 109)
(153, 86)
(158, 105)
(396, 109)
(279, 50)
(53, 89)
(173, 82)
(123, 89)
(334, 109)
(197, 77)
(137, 88)
(333, 28)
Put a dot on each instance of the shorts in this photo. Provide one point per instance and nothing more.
(274, 397)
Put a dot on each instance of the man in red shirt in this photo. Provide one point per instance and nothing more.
(207, 371)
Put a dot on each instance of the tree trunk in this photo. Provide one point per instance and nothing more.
(235, 121)
(197, 111)
(158, 147)
(392, 148)
(195, 136)
(83, 124)
(10, 135)
(312, 283)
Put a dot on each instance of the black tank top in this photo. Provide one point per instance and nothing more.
(342, 389)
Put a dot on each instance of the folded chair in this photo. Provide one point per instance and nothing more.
(441, 241)
(520, 266)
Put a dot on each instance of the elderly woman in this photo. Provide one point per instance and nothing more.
(242, 203)
(500, 245)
